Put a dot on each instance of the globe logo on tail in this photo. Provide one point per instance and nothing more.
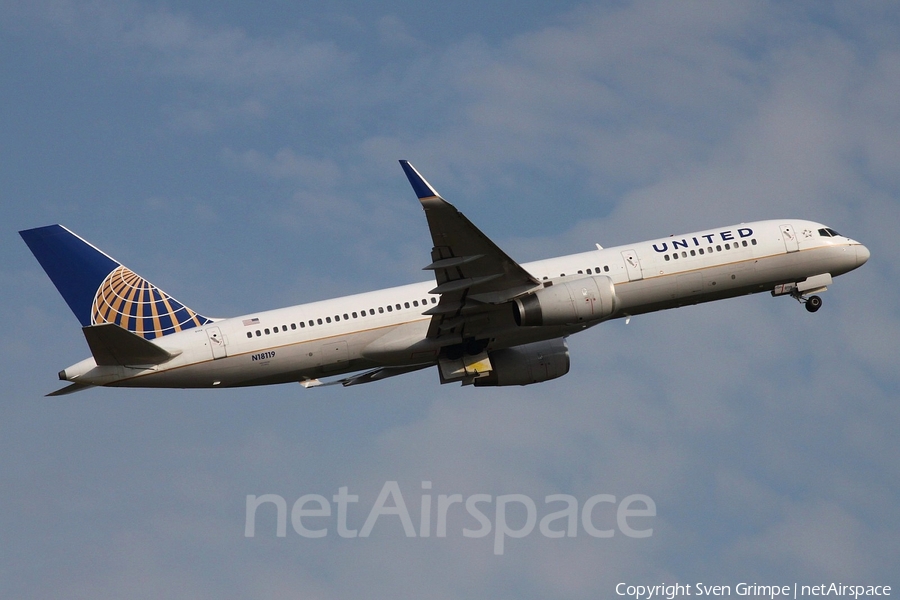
(133, 303)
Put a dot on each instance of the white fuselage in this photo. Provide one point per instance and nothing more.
(387, 327)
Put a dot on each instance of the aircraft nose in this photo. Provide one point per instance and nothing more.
(862, 255)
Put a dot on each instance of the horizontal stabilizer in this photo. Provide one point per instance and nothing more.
(70, 389)
(112, 345)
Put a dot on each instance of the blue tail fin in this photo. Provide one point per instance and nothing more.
(98, 289)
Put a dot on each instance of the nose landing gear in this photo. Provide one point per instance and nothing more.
(799, 291)
(813, 303)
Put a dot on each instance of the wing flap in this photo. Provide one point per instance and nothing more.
(464, 283)
(456, 261)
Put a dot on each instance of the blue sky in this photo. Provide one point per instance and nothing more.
(245, 158)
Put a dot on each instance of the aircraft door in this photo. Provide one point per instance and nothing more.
(216, 342)
(632, 265)
(790, 238)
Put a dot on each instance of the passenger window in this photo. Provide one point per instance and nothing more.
(588, 271)
(258, 333)
(727, 247)
(249, 334)
(675, 256)
(406, 304)
(303, 325)
(580, 273)
(666, 257)
(683, 254)
(433, 300)
(718, 248)
(355, 315)
(266, 330)
(753, 242)
(415, 302)
(390, 308)
(381, 309)
(328, 319)
(337, 317)
(284, 327)
(744, 243)
(346, 317)
(606, 268)
(319, 321)
(700, 250)
(397, 306)
(693, 253)
(425, 301)
(274, 329)
(293, 326)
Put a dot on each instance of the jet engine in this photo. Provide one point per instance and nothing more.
(528, 363)
(567, 303)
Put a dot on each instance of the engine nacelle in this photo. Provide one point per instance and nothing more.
(528, 363)
(567, 303)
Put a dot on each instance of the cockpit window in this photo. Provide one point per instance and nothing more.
(828, 232)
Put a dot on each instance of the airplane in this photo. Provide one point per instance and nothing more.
(485, 320)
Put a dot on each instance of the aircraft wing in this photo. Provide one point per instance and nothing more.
(473, 274)
(366, 377)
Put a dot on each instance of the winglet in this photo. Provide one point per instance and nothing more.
(421, 187)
